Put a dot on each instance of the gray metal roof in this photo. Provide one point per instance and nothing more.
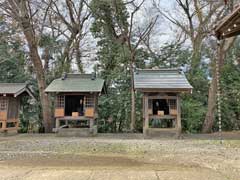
(161, 79)
(14, 89)
(76, 83)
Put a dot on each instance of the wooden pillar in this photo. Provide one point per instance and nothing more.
(91, 123)
(4, 125)
(179, 123)
(57, 123)
(146, 116)
(95, 106)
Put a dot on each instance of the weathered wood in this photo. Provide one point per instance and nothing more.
(173, 112)
(89, 112)
(146, 124)
(95, 105)
(90, 101)
(91, 123)
(229, 26)
(74, 118)
(162, 97)
(3, 115)
(162, 117)
(76, 93)
(4, 125)
(13, 107)
(143, 108)
(59, 112)
(57, 123)
(179, 124)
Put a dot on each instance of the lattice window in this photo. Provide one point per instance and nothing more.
(89, 102)
(60, 102)
(3, 104)
(172, 103)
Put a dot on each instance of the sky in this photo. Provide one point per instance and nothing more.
(162, 32)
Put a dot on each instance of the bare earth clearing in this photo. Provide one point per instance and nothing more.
(110, 157)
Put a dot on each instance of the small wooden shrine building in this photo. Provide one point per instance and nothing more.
(10, 95)
(161, 90)
(76, 100)
(230, 25)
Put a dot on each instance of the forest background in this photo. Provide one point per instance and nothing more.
(40, 40)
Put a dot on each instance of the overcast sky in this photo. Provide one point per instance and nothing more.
(162, 32)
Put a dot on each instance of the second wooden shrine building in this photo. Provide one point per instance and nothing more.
(161, 90)
(76, 99)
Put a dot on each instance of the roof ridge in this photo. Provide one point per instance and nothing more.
(160, 69)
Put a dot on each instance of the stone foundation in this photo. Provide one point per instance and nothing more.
(160, 132)
(77, 132)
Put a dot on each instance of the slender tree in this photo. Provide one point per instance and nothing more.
(201, 17)
(69, 19)
(23, 12)
(112, 19)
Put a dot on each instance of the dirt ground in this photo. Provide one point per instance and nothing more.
(119, 157)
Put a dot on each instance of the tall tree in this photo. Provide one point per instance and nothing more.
(201, 17)
(196, 20)
(219, 55)
(114, 21)
(69, 20)
(24, 13)
(12, 62)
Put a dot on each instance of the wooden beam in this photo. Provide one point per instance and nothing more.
(152, 90)
(72, 118)
(57, 123)
(4, 125)
(91, 123)
(179, 123)
(162, 97)
(146, 116)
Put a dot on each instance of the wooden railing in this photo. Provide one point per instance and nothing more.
(5, 125)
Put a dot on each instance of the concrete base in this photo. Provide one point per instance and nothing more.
(77, 132)
(160, 132)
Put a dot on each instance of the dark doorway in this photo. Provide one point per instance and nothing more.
(74, 103)
(160, 105)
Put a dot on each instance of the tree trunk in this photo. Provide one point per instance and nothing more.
(210, 116)
(221, 53)
(196, 56)
(38, 67)
(133, 117)
(209, 119)
(46, 58)
(78, 55)
(66, 59)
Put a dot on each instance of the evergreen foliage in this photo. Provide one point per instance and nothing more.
(110, 22)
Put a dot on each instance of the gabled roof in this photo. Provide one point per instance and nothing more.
(14, 89)
(161, 80)
(230, 25)
(76, 83)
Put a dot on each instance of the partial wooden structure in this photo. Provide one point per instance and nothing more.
(76, 99)
(10, 95)
(229, 26)
(161, 90)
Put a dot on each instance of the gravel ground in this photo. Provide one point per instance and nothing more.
(116, 156)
